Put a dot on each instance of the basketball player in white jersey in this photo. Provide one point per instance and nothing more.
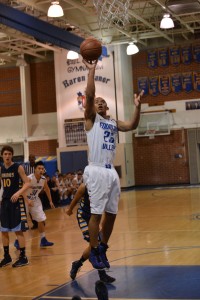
(38, 182)
(100, 176)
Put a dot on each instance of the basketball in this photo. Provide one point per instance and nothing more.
(90, 49)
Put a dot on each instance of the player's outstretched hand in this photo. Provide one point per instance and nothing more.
(69, 212)
(15, 197)
(137, 98)
(90, 65)
(51, 204)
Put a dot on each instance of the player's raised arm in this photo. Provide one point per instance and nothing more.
(133, 123)
(90, 111)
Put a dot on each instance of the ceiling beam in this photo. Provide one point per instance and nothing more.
(162, 34)
(41, 30)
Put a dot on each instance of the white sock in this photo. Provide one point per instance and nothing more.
(42, 234)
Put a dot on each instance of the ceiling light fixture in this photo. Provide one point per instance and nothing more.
(166, 22)
(72, 55)
(132, 49)
(21, 61)
(55, 10)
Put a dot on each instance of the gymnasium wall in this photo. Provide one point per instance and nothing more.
(42, 118)
(157, 160)
(140, 69)
(10, 94)
(162, 160)
(43, 89)
(43, 148)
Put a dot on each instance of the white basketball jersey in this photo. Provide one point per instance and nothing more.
(102, 141)
(36, 187)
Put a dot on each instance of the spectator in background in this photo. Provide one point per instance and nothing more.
(79, 177)
(62, 187)
(54, 188)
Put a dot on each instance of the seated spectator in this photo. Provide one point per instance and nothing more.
(54, 188)
(79, 177)
(62, 187)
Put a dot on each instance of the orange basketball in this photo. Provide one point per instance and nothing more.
(90, 49)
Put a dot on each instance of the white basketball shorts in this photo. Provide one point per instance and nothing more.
(37, 212)
(103, 188)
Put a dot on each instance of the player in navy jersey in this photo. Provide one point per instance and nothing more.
(83, 217)
(100, 176)
(13, 214)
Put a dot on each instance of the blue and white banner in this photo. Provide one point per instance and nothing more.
(143, 84)
(152, 59)
(164, 84)
(176, 82)
(154, 85)
(186, 54)
(175, 56)
(71, 80)
(196, 53)
(163, 57)
(187, 81)
(196, 81)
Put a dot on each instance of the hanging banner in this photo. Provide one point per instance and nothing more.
(153, 86)
(164, 84)
(163, 57)
(174, 54)
(186, 55)
(152, 59)
(143, 85)
(176, 82)
(187, 81)
(196, 81)
(71, 80)
(196, 53)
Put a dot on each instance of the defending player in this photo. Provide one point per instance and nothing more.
(13, 214)
(38, 182)
(83, 217)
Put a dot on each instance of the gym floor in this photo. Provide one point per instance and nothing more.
(154, 251)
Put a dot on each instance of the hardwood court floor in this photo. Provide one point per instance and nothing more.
(156, 227)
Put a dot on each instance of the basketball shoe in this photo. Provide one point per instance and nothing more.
(105, 277)
(5, 261)
(45, 243)
(22, 261)
(76, 266)
(16, 244)
(102, 251)
(101, 290)
(95, 259)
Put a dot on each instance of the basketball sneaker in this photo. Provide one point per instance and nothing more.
(45, 243)
(16, 244)
(6, 261)
(76, 265)
(76, 298)
(101, 290)
(105, 277)
(102, 251)
(95, 259)
(22, 261)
